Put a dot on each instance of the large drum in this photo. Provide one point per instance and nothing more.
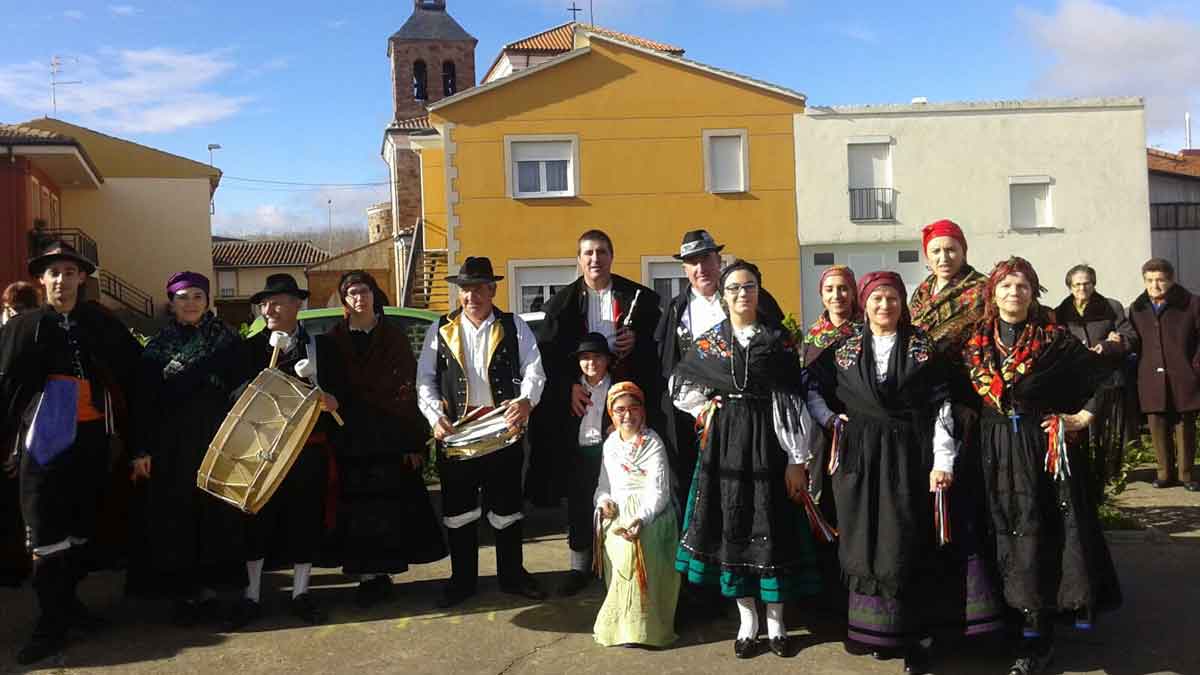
(259, 440)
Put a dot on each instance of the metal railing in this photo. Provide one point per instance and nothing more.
(125, 293)
(1175, 216)
(410, 265)
(76, 237)
(872, 204)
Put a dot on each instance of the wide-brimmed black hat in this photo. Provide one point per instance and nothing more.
(595, 343)
(279, 284)
(474, 271)
(59, 250)
(698, 242)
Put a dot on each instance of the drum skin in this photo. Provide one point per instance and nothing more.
(259, 440)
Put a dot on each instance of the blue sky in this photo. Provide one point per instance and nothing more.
(300, 91)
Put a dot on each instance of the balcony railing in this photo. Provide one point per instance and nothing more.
(1175, 216)
(77, 238)
(872, 204)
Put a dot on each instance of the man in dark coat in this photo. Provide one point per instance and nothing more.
(1167, 320)
(89, 357)
(290, 525)
(597, 302)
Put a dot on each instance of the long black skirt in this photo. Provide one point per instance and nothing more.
(1050, 550)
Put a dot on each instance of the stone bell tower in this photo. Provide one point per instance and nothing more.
(432, 58)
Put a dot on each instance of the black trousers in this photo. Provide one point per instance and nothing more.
(581, 491)
(288, 529)
(59, 501)
(496, 478)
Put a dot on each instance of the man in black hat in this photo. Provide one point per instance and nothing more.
(289, 527)
(479, 357)
(66, 370)
(597, 302)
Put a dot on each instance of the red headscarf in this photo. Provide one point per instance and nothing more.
(942, 228)
(837, 271)
(874, 280)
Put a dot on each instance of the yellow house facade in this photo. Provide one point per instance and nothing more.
(642, 144)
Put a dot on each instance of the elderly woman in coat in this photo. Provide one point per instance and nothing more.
(1101, 325)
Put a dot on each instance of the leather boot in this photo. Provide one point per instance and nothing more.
(464, 564)
(53, 587)
(510, 564)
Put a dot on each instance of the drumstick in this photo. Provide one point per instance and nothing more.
(337, 418)
(274, 356)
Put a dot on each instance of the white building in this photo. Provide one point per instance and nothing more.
(1059, 182)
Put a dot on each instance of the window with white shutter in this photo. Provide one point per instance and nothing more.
(542, 166)
(726, 161)
(1029, 200)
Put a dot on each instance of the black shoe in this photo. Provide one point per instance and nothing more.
(916, 661)
(306, 610)
(454, 594)
(779, 646)
(525, 586)
(575, 582)
(1159, 483)
(245, 612)
(40, 646)
(1192, 486)
(1033, 663)
(373, 591)
(745, 648)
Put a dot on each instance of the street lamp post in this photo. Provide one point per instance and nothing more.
(212, 205)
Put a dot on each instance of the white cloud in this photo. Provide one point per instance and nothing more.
(858, 33)
(124, 10)
(269, 66)
(281, 214)
(134, 91)
(73, 14)
(1099, 50)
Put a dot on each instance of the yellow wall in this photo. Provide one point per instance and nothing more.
(146, 228)
(433, 197)
(640, 121)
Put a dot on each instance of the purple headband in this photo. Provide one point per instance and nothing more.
(182, 280)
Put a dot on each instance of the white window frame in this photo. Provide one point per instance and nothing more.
(648, 260)
(706, 136)
(1038, 179)
(221, 290)
(513, 268)
(510, 169)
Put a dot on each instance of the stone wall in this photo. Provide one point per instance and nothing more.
(405, 53)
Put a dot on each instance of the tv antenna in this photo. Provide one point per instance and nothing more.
(56, 64)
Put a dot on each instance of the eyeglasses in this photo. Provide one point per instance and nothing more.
(735, 289)
(621, 411)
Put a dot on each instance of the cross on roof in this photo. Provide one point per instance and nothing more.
(574, 10)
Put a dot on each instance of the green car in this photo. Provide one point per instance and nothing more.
(414, 322)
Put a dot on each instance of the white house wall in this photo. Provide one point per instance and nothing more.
(958, 165)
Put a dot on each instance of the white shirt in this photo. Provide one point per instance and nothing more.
(600, 315)
(634, 478)
(475, 346)
(701, 314)
(591, 427)
(945, 448)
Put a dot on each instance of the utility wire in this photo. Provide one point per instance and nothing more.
(292, 183)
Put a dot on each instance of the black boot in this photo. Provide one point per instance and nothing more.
(53, 586)
(1037, 645)
(464, 565)
(510, 564)
(78, 615)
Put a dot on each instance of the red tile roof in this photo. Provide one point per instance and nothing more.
(413, 123)
(1180, 164)
(266, 253)
(562, 39)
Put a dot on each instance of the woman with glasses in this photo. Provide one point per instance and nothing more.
(742, 533)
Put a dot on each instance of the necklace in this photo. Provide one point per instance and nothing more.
(733, 358)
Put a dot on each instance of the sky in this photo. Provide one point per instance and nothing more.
(300, 91)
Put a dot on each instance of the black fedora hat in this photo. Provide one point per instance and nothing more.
(474, 271)
(697, 242)
(279, 284)
(595, 343)
(59, 250)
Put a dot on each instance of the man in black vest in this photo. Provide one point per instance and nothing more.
(289, 527)
(597, 302)
(480, 357)
(75, 358)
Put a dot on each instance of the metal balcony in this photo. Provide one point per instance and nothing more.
(872, 204)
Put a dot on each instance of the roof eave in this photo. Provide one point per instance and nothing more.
(507, 79)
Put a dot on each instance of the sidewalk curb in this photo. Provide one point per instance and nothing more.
(1150, 535)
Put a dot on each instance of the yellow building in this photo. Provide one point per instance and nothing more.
(612, 134)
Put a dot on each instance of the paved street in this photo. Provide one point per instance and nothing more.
(497, 634)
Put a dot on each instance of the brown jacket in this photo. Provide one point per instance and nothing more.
(1169, 369)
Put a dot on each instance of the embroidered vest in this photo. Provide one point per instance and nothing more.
(504, 362)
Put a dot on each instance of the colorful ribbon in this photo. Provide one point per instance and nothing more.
(820, 527)
(835, 445)
(1057, 464)
(941, 516)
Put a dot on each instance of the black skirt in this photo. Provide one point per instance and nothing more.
(1050, 550)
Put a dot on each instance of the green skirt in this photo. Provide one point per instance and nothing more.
(630, 616)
